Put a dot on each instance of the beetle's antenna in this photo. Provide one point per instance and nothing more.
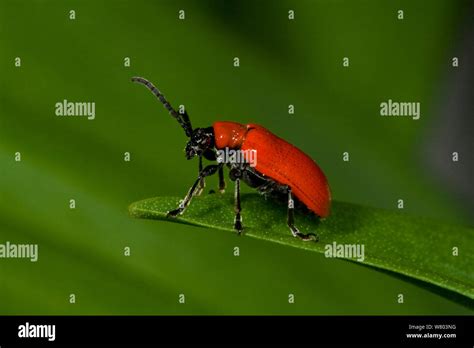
(182, 119)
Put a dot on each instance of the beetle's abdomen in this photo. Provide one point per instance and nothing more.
(229, 134)
(290, 166)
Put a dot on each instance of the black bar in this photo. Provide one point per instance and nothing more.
(241, 329)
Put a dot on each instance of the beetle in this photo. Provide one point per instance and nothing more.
(282, 170)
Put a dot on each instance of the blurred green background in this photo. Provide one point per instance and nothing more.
(282, 62)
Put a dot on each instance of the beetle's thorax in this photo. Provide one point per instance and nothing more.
(229, 134)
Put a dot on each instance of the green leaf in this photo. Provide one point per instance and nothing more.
(412, 246)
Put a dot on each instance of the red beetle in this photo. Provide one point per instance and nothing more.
(281, 170)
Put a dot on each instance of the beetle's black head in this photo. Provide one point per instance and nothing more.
(201, 140)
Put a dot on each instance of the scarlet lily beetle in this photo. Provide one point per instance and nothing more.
(282, 169)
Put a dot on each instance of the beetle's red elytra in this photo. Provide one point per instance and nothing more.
(280, 161)
(281, 171)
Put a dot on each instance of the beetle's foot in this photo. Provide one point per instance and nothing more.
(174, 213)
(305, 237)
(222, 187)
(238, 227)
(308, 237)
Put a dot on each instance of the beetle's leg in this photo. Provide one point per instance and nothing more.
(238, 218)
(235, 174)
(207, 171)
(291, 221)
(221, 180)
(202, 182)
